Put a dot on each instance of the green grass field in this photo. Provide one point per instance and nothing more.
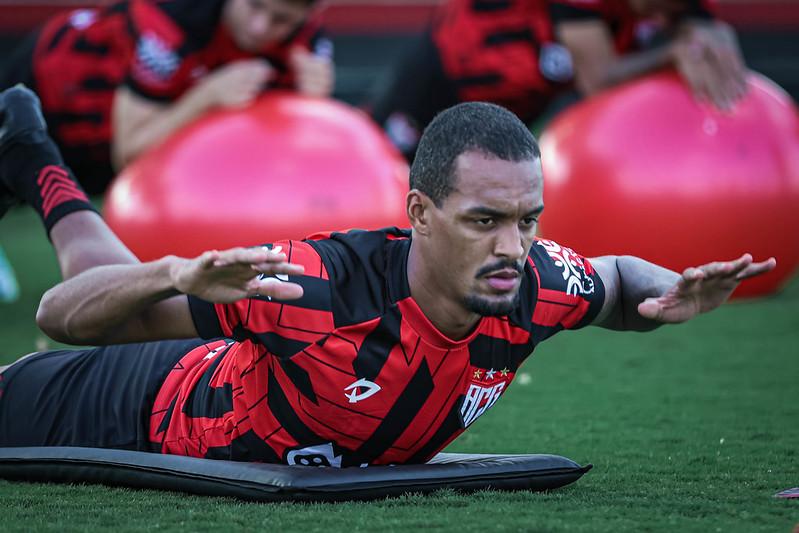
(690, 428)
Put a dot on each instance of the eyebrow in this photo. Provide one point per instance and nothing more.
(487, 211)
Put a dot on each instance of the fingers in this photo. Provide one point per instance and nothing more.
(262, 260)
(710, 62)
(756, 269)
(248, 256)
(239, 83)
(272, 269)
(313, 73)
(207, 259)
(690, 278)
(737, 269)
(671, 309)
(275, 288)
(651, 309)
(723, 82)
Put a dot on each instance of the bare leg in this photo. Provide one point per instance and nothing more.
(83, 240)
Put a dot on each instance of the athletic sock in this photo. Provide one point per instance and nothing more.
(36, 173)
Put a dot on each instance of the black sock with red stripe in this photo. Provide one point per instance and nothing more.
(36, 174)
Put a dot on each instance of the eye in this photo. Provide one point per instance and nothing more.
(486, 221)
(529, 222)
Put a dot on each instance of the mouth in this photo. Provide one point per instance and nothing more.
(504, 280)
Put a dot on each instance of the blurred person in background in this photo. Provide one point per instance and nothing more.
(118, 79)
(537, 56)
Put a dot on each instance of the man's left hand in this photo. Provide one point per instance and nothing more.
(313, 73)
(702, 289)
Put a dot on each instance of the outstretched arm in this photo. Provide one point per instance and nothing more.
(144, 302)
(641, 296)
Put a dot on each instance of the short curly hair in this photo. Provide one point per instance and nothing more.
(471, 126)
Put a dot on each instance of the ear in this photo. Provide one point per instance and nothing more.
(418, 206)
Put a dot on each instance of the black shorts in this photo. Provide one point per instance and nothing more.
(17, 67)
(99, 397)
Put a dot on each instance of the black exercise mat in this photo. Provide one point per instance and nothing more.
(269, 482)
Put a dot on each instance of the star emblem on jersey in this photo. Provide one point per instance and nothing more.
(490, 374)
(370, 389)
(504, 372)
(478, 374)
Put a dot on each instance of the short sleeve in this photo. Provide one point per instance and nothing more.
(157, 69)
(570, 292)
(273, 322)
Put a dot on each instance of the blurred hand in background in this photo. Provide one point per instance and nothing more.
(313, 73)
(709, 59)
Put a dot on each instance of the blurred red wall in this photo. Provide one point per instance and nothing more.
(397, 16)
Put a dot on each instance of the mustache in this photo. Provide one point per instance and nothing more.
(500, 265)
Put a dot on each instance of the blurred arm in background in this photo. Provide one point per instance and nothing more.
(139, 123)
(704, 51)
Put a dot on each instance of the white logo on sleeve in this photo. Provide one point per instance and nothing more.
(155, 57)
(577, 281)
(356, 396)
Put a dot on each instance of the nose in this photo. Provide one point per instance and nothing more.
(508, 244)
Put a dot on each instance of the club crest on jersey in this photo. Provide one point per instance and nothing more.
(370, 389)
(483, 393)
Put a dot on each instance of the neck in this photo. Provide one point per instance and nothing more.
(447, 315)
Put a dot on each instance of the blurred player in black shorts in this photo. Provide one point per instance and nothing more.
(117, 79)
(531, 56)
(344, 349)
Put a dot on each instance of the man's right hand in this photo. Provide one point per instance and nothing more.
(236, 84)
(231, 275)
(708, 58)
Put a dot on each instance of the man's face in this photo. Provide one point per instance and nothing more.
(482, 233)
(255, 24)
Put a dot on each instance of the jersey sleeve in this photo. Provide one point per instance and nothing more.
(157, 70)
(570, 292)
(274, 322)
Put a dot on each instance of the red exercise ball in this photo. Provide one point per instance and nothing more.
(286, 167)
(643, 169)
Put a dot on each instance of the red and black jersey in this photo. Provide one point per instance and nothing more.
(159, 49)
(353, 373)
(490, 50)
(506, 51)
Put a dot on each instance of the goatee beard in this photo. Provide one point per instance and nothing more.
(486, 307)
